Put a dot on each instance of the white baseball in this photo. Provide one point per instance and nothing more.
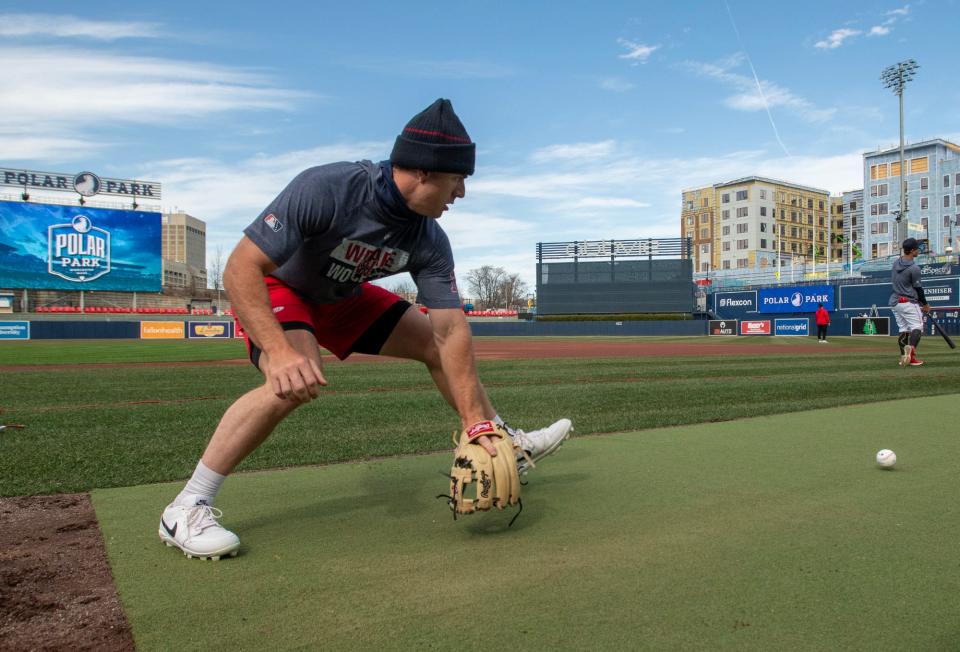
(886, 458)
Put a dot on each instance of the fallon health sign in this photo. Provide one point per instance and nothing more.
(54, 247)
(802, 298)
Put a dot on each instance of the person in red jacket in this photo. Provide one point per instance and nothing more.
(823, 320)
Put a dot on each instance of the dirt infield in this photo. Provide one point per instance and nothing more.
(516, 349)
(56, 589)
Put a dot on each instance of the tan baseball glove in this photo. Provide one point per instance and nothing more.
(479, 481)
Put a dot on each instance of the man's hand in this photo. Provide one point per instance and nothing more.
(294, 376)
(925, 307)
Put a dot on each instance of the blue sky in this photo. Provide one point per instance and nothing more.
(590, 118)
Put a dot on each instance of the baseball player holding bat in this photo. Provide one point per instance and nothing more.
(908, 303)
(299, 279)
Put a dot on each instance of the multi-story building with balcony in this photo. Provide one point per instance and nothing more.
(757, 223)
(933, 194)
(853, 225)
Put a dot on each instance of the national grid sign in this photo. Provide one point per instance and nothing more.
(803, 298)
(55, 247)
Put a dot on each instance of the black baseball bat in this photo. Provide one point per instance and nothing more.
(943, 333)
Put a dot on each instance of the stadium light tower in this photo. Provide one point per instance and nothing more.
(895, 78)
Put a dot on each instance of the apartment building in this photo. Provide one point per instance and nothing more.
(933, 197)
(184, 251)
(853, 224)
(697, 222)
(756, 223)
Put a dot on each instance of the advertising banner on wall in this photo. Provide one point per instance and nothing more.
(799, 327)
(800, 298)
(722, 327)
(204, 330)
(755, 327)
(735, 301)
(162, 330)
(14, 330)
(52, 247)
(940, 292)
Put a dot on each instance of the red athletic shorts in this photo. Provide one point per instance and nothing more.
(360, 324)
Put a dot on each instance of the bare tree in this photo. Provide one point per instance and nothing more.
(215, 273)
(404, 287)
(493, 287)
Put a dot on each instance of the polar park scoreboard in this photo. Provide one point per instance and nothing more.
(51, 246)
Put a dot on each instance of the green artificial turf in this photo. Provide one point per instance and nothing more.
(89, 427)
(772, 533)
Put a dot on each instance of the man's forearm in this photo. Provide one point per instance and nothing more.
(456, 357)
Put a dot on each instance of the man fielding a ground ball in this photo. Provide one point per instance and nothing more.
(299, 279)
(908, 303)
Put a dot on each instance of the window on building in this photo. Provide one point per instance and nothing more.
(882, 209)
(726, 230)
(921, 164)
(810, 203)
(783, 198)
(793, 216)
(946, 201)
(704, 234)
(689, 205)
(763, 194)
(853, 206)
(725, 214)
(742, 228)
(726, 246)
(946, 181)
(809, 234)
(793, 247)
(924, 203)
(763, 227)
(956, 199)
(763, 243)
(743, 211)
(924, 183)
(946, 220)
(853, 220)
(809, 218)
(725, 198)
(741, 195)
(705, 202)
(705, 249)
(763, 211)
(704, 218)
(726, 264)
(956, 179)
(793, 232)
(783, 229)
(741, 263)
(783, 213)
(704, 267)
(743, 244)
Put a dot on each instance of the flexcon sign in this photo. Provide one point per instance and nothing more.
(795, 299)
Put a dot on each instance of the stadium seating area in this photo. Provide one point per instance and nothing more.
(115, 310)
(492, 313)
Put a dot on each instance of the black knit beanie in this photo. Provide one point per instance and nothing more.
(435, 140)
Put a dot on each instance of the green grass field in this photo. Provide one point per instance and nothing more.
(704, 503)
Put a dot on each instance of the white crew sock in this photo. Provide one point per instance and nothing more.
(204, 484)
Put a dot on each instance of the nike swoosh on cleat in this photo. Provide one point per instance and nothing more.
(171, 531)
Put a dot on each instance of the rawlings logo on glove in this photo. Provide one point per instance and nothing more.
(479, 481)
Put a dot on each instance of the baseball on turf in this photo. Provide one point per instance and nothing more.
(886, 458)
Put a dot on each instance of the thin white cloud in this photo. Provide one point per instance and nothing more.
(837, 37)
(636, 52)
(616, 84)
(757, 94)
(45, 99)
(574, 151)
(38, 25)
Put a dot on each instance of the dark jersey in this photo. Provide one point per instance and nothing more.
(337, 226)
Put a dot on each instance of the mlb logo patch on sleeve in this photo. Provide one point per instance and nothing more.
(273, 222)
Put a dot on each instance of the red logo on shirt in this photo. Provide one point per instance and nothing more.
(273, 222)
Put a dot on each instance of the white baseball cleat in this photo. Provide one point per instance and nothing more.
(540, 443)
(193, 528)
(907, 355)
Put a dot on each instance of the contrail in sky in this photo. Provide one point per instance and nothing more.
(756, 79)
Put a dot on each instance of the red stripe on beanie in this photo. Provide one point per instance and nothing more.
(437, 133)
